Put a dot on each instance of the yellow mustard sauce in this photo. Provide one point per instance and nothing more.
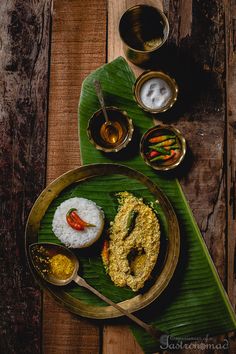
(61, 267)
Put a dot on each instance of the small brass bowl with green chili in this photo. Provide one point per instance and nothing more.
(163, 147)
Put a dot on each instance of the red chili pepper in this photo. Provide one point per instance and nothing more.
(153, 154)
(75, 225)
(164, 157)
(105, 253)
(75, 221)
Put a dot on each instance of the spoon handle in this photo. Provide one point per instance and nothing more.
(98, 89)
(148, 328)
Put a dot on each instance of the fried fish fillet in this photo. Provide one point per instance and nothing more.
(134, 243)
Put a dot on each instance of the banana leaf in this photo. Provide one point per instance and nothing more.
(195, 303)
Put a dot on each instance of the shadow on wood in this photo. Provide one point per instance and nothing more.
(195, 81)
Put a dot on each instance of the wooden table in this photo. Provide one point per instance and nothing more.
(39, 141)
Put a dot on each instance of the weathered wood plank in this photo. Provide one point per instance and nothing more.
(65, 333)
(78, 46)
(24, 46)
(119, 339)
(199, 69)
(231, 152)
(230, 36)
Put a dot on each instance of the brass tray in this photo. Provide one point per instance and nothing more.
(87, 172)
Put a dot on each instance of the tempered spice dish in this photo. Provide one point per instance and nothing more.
(48, 263)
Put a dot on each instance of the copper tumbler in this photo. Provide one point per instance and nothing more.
(143, 29)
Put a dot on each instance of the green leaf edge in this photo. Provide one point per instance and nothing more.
(209, 258)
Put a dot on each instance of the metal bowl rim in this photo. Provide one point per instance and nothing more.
(178, 134)
(156, 74)
(124, 143)
(167, 28)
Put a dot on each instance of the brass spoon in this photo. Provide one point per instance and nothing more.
(108, 130)
(40, 251)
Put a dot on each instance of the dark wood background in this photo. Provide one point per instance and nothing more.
(24, 48)
(38, 142)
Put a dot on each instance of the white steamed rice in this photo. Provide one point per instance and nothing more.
(89, 212)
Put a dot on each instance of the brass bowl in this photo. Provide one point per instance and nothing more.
(147, 75)
(143, 29)
(162, 130)
(115, 115)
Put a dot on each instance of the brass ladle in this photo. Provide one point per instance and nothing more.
(39, 251)
(109, 130)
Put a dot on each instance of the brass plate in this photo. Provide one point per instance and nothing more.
(80, 174)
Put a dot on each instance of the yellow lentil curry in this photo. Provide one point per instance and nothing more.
(61, 267)
(131, 253)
